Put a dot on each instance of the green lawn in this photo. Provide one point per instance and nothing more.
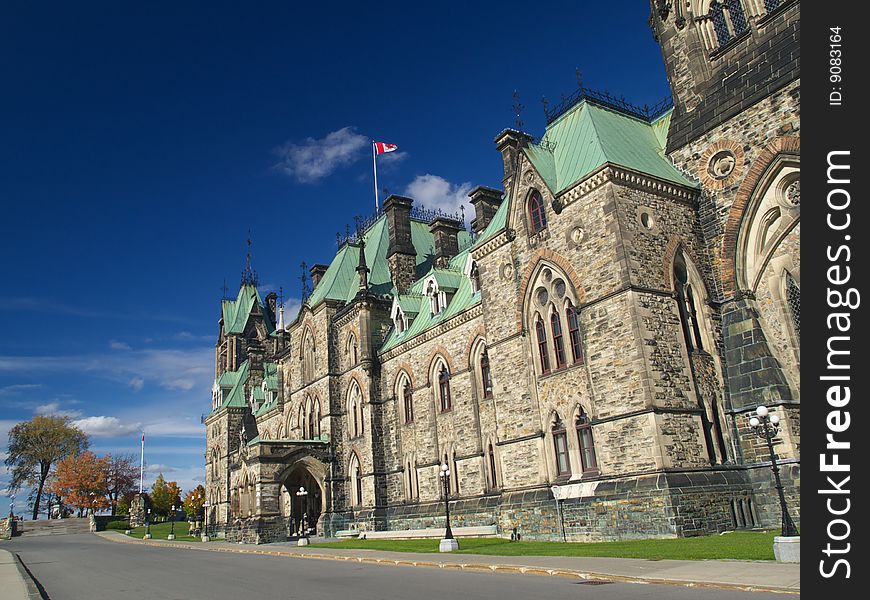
(740, 545)
(159, 531)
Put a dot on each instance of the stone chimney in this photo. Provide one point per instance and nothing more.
(485, 201)
(401, 255)
(445, 231)
(509, 142)
(317, 273)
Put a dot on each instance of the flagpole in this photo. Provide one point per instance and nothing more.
(375, 167)
(142, 466)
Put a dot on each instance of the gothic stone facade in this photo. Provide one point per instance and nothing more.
(586, 364)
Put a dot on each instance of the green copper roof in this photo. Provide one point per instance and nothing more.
(236, 312)
(420, 317)
(588, 136)
(271, 375)
(341, 281)
(236, 379)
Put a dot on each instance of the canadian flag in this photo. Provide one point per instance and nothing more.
(382, 148)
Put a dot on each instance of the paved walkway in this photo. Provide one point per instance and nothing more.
(12, 583)
(728, 574)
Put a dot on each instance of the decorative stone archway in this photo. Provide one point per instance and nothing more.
(303, 512)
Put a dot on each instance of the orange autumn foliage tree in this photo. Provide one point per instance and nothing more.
(80, 481)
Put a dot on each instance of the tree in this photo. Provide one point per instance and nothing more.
(194, 501)
(164, 495)
(124, 502)
(81, 481)
(121, 475)
(36, 445)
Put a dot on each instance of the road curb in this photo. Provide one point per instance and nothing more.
(476, 567)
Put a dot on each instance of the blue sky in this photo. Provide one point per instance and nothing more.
(140, 142)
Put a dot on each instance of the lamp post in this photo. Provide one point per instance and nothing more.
(171, 535)
(147, 524)
(303, 539)
(205, 537)
(449, 543)
(766, 426)
(12, 506)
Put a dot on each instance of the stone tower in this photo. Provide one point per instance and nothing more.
(734, 71)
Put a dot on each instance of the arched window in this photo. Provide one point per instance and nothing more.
(560, 446)
(355, 411)
(309, 356)
(444, 389)
(793, 298)
(558, 344)
(485, 374)
(574, 333)
(352, 350)
(692, 309)
(587, 443)
(490, 456)
(475, 278)
(537, 215)
(543, 353)
(355, 473)
(728, 19)
(408, 401)
(434, 298)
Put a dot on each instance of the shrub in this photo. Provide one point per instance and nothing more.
(117, 525)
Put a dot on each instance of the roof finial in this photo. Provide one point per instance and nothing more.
(280, 308)
(362, 268)
(518, 109)
(249, 275)
(225, 290)
(579, 75)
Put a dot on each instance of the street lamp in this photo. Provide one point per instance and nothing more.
(147, 525)
(449, 543)
(303, 539)
(171, 535)
(766, 426)
(12, 506)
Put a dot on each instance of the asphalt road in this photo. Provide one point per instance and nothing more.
(87, 567)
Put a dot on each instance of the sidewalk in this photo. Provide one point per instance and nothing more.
(12, 581)
(761, 576)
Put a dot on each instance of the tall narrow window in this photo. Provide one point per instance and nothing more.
(311, 434)
(793, 298)
(738, 17)
(444, 389)
(493, 479)
(355, 419)
(475, 279)
(574, 334)
(558, 344)
(543, 353)
(693, 317)
(587, 443)
(408, 401)
(485, 375)
(356, 480)
(537, 216)
(560, 445)
(720, 26)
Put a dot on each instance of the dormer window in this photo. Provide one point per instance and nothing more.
(435, 304)
(475, 278)
(537, 215)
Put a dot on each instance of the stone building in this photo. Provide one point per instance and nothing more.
(584, 360)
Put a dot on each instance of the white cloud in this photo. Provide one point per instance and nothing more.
(314, 159)
(436, 193)
(52, 409)
(103, 426)
(116, 345)
(171, 369)
(10, 390)
(137, 383)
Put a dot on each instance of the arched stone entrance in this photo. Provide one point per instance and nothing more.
(299, 511)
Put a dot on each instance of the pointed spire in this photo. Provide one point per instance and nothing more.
(249, 275)
(363, 269)
(280, 325)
